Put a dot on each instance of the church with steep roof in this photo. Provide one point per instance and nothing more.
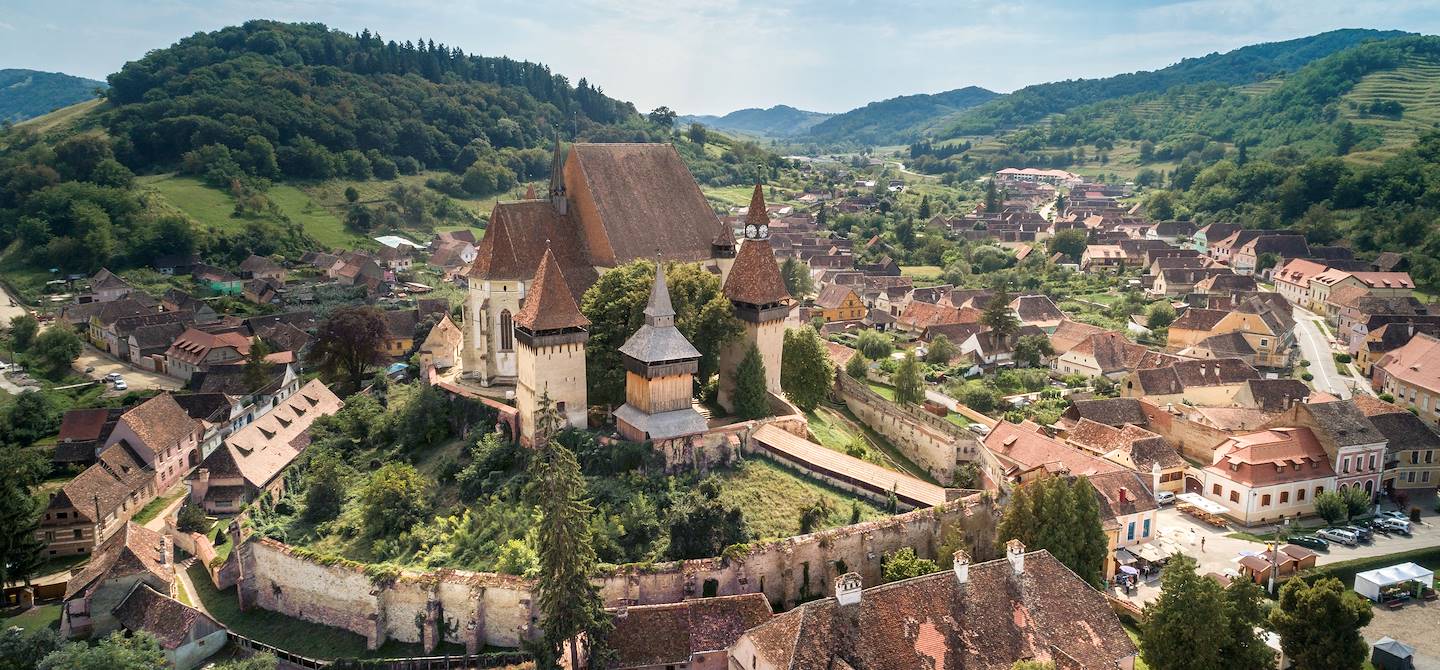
(608, 205)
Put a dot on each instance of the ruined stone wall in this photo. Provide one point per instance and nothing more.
(1194, 441)
(474, 609)
(930, 441)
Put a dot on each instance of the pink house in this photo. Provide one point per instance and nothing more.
(163, 435)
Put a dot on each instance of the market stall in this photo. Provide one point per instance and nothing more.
(1396, 583)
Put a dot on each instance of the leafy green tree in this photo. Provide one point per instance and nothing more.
(22, 650)
(324, 487)
(1185, 628)
(139, 651)
(806, 372)
(55, 349)
(993, 198)
(1059, 514)
(23, 328)
(697, 134)
(1331, 507)
(569, 603)
(348, 343)
(751, 398)
(191, 519)
(1245, 615)
(814, 515)
(395, 499)
(797, 277)
(32, 416)
(702, 526)
(1160, 315)
(909, 386)
(1160, 205)
(874, 344)
(924, 210)
(941, 350)
(615, 305)
(663, 117)
(1357, 501)
(1070, 242)
(257, 370)
(1031, 350)
(857, 366)
(904, 564)
(1319, 624)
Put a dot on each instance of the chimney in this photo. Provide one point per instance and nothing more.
(1015, 551)
(1124, 494)
(962, 567)
(848, 588)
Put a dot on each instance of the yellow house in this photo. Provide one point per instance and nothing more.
(1412, 455)
(1268, 334)
(840, 303)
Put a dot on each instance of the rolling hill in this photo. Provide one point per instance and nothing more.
(26, 94)
(897, 120)
(780, 121)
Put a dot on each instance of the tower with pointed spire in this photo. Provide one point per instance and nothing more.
(557, 180)
(551, 334)
(660, 366)
(761, 302)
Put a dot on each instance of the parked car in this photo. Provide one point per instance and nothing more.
(1164, 497)
(112, 377)
(120, 385)
(1362, 533)
(1377, 525)
(979, 428)
(1310, 542)
(1393, 514)
(1394, 525)
(1339, 535)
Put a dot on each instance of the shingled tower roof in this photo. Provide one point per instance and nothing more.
(754, 279)
(549, 305)
(658, 340)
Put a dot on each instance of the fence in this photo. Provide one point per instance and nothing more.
(496, 659)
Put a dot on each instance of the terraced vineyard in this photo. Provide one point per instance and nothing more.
(1416, 86)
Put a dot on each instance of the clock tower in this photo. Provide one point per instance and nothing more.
(760, 300)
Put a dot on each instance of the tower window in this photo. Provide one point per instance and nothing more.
(507, 332)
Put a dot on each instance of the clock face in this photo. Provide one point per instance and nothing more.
(750, 231)
(764, 230)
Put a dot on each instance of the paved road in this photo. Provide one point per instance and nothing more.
(1315, 347)
(134, 378)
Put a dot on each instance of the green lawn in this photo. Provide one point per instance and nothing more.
(931, 272)
(830, 431)
(35, 618)
(773, 498)
(1134, 634)
(887, 392)
(1428, 557)
(320, 223)
(156, 506)
(212, 207)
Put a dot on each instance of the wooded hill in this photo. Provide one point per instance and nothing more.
(26, 94)
(779, 121)
(897, 120)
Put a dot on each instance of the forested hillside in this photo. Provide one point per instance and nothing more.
(259, 123)
(1241, 66)
(26, 94)
(896, 120)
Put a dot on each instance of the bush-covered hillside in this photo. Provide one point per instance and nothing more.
(26, 94)
(897, 119)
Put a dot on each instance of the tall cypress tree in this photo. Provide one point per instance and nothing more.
(569, 604)
(1245, 612)
(909, 387)
(750, 394)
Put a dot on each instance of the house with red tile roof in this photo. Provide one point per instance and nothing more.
(1411, 374)
(133, 555)
(197, 350)
(1268, 475)
(695, 633)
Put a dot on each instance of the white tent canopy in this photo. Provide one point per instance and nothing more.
(1370, 582)
(1205, 505)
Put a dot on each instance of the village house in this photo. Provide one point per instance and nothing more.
(919, 316)
(1411, 375)
(250, 461)
(84, 511)
(1107, 354)
(1269, 334)
(217, 279)
(1102, 257)
(175, 264)
(1388, 338)
(259, 267)
(840, 303)
(186, 635)
(1025, 606)
(134, 555)
(695, 634)
(1127, 515)
(196, 350)
(1268, 475)
(1248, 258)
(1207, 383)
(1225, 284)
(1292, 279)
(1356, 314)
(1038, 311)
(1412, 448)
(987, 349)
(82, 434)
(164, 437)
(1017, 454)
(1067, 335)
(1355, 448)
(441, 349)
(147, 344)
(261, 291)
(1214, 232)
(1224, 249)
(1136, 449)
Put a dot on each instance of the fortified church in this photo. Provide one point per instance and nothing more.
(608, 205)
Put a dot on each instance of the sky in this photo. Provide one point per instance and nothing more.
(715, 56)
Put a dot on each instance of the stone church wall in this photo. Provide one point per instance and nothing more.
(476, 609)
(931, 442)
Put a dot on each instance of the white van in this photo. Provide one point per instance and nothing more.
(1339, 535)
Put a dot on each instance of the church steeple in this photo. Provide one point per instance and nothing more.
(659, 312)
(757, 220)
(557, 179)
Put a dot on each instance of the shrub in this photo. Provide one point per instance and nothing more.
(1304, 363)
(1387, 397)
(1415, 514)
(1342, 359)
(1307, 376)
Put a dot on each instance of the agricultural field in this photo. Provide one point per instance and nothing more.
(1416, 86)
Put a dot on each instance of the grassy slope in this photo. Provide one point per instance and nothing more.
(212, 207)
(773, 497)
(59, 117)
(1416, 86)
(44, 616)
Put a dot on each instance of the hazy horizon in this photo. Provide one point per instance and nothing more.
(717, 56)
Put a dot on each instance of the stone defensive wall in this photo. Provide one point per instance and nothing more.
(478, 609)
(932, 442)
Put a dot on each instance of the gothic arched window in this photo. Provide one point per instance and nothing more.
(507, 333)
